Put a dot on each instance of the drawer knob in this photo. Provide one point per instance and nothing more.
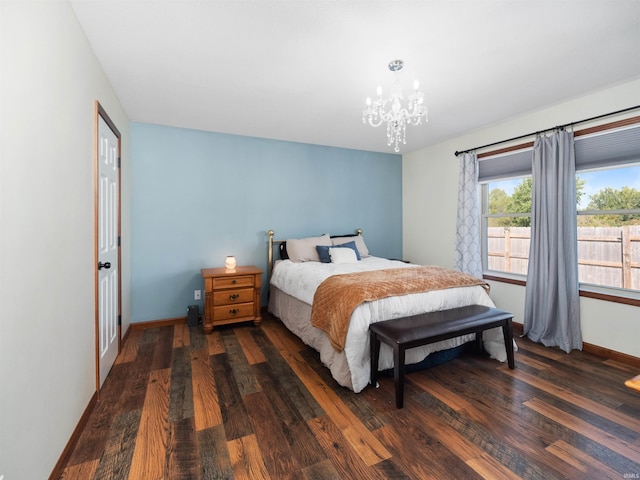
(234, 281)
(234, 311)
(234, 296)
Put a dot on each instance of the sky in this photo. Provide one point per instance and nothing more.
(596, 180)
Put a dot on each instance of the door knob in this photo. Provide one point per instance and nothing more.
(104, 265)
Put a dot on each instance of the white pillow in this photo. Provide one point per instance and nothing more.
(360, 245)
(342, 255)
(304, 249)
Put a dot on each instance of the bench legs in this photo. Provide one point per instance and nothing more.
(507, 333)
(399, 358)
(398, 366)
(398, 373)
(374, 346)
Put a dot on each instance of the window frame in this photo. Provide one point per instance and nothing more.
(605, 293)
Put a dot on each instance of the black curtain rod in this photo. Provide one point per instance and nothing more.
(559, 127)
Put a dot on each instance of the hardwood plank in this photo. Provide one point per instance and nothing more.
(93, 439)
(129, 350)
(532, 362)
(119, 447)
(81, 471)
(151, 443)
(498, 412)
(344, 458)
(278, 457)
(206, 405)
(246, 459)
(242, 372)
(628, 369)
(181, 335)
(137, 379)
(287, 384)
(182, 459)
(232, 408)
(579, 401)
(197, 339)
(281, 338)
(164, 349)
(249, 347)
(303, 444)
(586, 464)
(427, 458)
(213, 454)
(504, 451)
(361, 439)
(369, 417)
(487, 467)
(214, 342)
(440, 391)
(150, 336)
(181, 393)
(287, 407)
(321, 471)
(583, 428)
(425, 420)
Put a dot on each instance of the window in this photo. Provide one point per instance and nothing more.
(607, 199)
(507, 219)
(609, 228)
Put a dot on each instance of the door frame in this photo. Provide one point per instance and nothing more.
(100, 112)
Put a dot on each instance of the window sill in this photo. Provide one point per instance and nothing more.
(614, 295)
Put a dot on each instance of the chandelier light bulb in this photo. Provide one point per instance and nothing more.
(390, 110)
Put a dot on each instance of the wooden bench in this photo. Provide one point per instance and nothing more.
(409, 332)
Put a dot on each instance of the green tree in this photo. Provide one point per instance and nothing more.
(499, 203)
(608, 198)
(580, 183)
(520, 202)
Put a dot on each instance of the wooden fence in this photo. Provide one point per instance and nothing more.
(607, 256)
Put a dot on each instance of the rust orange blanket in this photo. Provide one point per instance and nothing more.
(338, 296)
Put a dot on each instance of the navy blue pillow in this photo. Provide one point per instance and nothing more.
(323, 251)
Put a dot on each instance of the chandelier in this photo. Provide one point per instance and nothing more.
(396, 116)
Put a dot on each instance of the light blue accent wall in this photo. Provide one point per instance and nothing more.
(198, 196)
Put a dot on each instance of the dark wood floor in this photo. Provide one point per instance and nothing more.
(254, 402)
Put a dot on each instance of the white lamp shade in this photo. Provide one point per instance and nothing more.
(230, 263)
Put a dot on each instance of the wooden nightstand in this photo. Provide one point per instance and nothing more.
(231, 296)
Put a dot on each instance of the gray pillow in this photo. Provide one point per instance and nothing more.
(304, 249)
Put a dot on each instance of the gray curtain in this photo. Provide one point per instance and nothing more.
(552, 310)
(467, 255)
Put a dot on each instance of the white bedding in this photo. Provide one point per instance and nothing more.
(300, 280)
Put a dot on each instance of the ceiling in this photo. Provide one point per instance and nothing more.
(300, 70)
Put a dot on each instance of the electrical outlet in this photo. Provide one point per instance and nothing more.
(196, 294)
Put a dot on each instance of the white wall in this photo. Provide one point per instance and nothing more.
(430, 182)
(50, 81)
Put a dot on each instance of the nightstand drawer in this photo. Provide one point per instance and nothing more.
(228, 297)
(226, 312)
(233, 282)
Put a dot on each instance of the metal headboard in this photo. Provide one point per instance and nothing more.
(271, 233)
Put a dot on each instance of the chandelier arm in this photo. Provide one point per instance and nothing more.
(397, 116)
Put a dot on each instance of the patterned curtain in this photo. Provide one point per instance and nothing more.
(552, 303)
(468, 258)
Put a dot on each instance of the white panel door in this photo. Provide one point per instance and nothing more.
(107, 248)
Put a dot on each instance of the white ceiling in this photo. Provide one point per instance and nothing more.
(300, 70)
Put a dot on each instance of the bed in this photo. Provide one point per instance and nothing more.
(307, 265)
